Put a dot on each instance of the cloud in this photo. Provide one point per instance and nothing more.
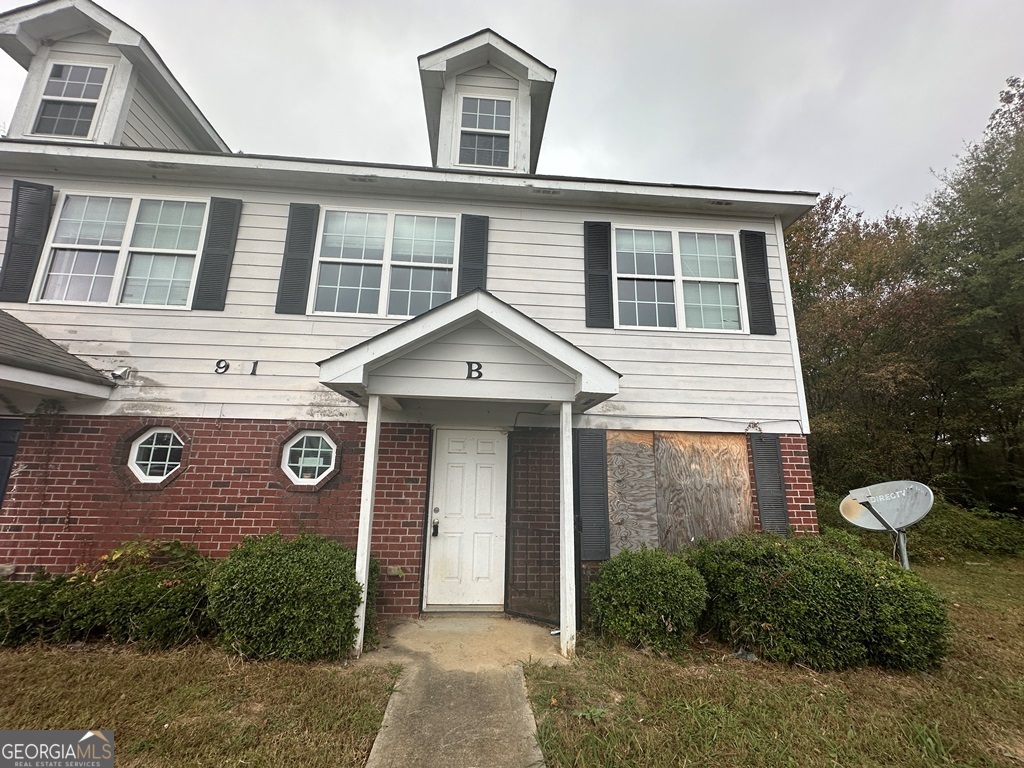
(865, 97)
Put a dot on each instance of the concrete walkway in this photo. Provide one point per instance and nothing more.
(461, 701)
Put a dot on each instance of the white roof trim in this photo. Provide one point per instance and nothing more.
(348, 372)
(23, 29)
(49, 384)
(339, 177)
(481, 47)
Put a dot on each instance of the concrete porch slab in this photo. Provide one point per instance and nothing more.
(461, 701)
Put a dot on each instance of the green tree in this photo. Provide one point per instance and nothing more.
(972, 233)
(871, 328)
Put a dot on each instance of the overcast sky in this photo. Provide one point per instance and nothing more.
(867, 98)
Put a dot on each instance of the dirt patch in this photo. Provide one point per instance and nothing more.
(468, 642)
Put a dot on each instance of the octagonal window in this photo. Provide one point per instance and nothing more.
(309, 457)
(156, 454)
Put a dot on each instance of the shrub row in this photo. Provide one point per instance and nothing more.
(270, 598)
(826, 602)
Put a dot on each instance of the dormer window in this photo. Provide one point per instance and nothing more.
(69, 102)
(486, 132)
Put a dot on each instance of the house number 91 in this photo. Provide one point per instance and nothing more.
(223, 366)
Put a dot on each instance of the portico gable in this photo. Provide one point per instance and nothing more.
(474, 348)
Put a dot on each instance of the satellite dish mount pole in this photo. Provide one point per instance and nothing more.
(901, 534)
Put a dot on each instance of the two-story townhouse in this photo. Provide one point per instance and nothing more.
(488, 377)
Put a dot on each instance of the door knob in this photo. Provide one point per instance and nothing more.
(433, 527)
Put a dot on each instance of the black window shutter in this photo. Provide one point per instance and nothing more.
(597, 273)
(26, 233)
(590, 491)
(297, 265)
(218, 253)
(473, 254)
(769, 482)
(760, 309)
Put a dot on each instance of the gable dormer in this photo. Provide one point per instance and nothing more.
(93, 79)
(486, 102)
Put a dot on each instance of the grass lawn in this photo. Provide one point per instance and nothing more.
(199, 706)
(704, 708)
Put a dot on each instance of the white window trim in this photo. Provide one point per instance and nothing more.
(678, 280)
(69, 61)
(123, 251)
(287, 449)
(141, 476)
(385, 277)
(457, 136)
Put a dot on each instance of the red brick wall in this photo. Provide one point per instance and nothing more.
(72, 497)
(796, 472)
(535, 496)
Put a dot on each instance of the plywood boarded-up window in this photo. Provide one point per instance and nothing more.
(673, 489)
(632, 496)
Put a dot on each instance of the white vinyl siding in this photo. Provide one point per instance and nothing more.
(149, 124)
(506, 368)
(671, 380)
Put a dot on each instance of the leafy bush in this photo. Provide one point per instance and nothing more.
(785, 600)
(648, 597)
(286, 598)
(152, 593)
(148, 592)
(909, 627)
(822, 601)
(27, 610)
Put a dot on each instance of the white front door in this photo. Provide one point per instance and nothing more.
(466, 524)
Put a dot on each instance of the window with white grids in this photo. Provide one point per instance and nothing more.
(645, 271)
(666, 279)
(384, 264)
(711, 281)
(104, 250)
(485, 136)
(156, 454)
(308, 457)
(70, 97)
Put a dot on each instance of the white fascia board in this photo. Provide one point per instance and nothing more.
(480, 48)
(50, 384)
(330, 176)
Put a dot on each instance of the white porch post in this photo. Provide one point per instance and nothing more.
(366, 513)
(567, 537)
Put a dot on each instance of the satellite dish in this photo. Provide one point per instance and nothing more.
(900, 503)
(891, 507)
